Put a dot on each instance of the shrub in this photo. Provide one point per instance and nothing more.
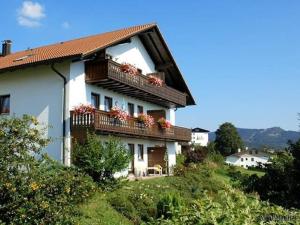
(33, 188)
(168, 206)
(101, 160)
(197, 155)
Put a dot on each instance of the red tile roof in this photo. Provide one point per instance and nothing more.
(73, 48)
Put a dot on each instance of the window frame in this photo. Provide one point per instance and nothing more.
(139, 107)
(2, 97)
(130, 106)
(110, 100)
(97, 96)
(140, 152)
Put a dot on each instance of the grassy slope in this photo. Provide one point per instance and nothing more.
(99, 211)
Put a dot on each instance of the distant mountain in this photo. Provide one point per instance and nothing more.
(275, 137)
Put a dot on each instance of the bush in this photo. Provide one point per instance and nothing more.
(101, 160)
(168, 206)
(33, 188)
(197, 155)
(230, 206)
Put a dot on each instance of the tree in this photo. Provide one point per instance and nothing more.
(33, 188)
(228, 140)
(99, 159)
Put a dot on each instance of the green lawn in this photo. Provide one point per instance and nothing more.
(99, 211)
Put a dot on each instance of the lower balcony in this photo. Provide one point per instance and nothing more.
(102, 123)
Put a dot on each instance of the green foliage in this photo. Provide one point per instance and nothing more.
(281, 182)
(101, 160)
(232, 207)
(33, 188)
(228, 140)
(215, 157)
(168, 206)
(196, 155)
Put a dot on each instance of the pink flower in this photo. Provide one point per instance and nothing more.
(84, 109)
(155, 81)
(128, 68)
(117, 113)
(146, 119)
(165, 124)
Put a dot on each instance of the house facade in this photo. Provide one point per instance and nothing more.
(48, 82)
(249, 158)
(199, 136)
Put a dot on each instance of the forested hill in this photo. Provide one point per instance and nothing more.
(274, 137)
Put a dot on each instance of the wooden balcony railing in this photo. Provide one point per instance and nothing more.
(108, 74)
(102, 122)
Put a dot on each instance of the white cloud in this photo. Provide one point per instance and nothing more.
(30, 14)
(66, 25)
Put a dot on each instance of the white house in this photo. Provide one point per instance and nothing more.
(249, 158)
(49, 81)
(199, 136)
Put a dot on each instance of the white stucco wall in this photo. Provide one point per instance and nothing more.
(199, 138)
(246, 160)
(133, 53)
(38, 91)
(81, 93)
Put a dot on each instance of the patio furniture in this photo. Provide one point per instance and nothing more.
(156, 168)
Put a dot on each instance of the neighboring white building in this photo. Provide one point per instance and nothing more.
(199, 136)
(249, 158)
(48, 82)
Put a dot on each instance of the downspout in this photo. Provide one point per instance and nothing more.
(64, 109)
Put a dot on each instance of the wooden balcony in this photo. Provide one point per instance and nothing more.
(108, 74)
(101, 122)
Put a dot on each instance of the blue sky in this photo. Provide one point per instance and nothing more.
(241, 59)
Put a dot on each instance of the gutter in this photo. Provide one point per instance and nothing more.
(64, 108)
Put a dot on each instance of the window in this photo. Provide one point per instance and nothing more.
(95, 100)
(107, 103)
(246, 158)
(250, 152)
(131, 109)
(242, 159)
(131, 149)
(256, 152)
(5, 104)
(140, 109)
(140, 152)
(252, 159)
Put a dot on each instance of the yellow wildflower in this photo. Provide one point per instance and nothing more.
(34, 186)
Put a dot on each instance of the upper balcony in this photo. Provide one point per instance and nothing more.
(108, 74)
(101, 122)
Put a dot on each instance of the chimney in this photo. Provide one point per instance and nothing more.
(6, 47)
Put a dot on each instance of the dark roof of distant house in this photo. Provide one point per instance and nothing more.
(251, 152)
(199, 130)
(82, 48)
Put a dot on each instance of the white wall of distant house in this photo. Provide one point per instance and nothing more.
(199, 138)
(246, 160)
(38, 91)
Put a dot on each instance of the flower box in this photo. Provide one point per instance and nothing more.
(164, 124)
(147, 120)
(128, 68)
(83, 109)
(155, 81)
(118, 114)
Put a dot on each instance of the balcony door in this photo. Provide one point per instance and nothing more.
(156, 156)
(131, 152)
(156, 114)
